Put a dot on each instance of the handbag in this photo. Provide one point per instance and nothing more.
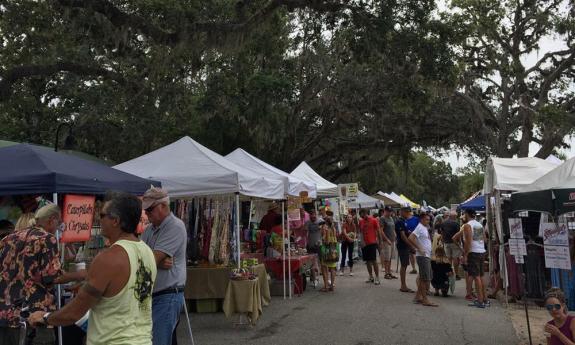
(330, 252)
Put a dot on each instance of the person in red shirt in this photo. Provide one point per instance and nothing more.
(269, 220)
(369, 227)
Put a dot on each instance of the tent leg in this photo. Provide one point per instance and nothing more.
(62, 260)
(283, 249)
(238, 229)
(289, 259)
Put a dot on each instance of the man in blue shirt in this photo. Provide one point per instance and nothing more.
(403, 228)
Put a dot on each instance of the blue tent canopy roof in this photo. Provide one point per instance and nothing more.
(29, 169)
(477, 204)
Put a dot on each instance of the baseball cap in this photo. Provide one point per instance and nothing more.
(388, 208)
(406, 208)
(154, 196)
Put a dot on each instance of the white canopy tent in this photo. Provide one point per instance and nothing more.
(292, 185)
(187, 168)
(388, 200)
(562, 177)
(512, 174)
(324, 187)
(399, 199)
(507, 175)
(365, 201)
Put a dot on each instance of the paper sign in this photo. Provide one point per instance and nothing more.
(348, 190)
(515, 228)
(557, 257)
(555, 235)
(517, 247)
(293, 208)
(78, 215)
(519, 259)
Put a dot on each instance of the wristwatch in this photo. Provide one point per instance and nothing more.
(45, 318)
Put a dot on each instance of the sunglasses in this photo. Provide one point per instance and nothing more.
(551, 307)
(151, 208)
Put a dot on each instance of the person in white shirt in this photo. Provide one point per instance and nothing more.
(421, 240)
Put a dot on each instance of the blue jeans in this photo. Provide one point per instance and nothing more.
(166, 311)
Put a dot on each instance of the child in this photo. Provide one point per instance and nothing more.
(442, 270)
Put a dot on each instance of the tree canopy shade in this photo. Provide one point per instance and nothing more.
(30, 169)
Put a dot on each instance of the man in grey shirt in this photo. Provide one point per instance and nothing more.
(387, 223)
(313, 242)
(167, 237)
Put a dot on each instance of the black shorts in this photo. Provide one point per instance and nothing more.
(369, 252)
(475, 264)
(404, 257)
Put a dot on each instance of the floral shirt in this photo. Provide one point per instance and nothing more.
(30, 264)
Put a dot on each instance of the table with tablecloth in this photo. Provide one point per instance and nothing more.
(299, 264)
(243, 297)
(212, 282)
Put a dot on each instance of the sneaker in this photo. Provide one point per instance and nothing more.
(377, 282)
(351, 274)
(477, 304)
(487, 303)
(469, 297)
(340, 273)
(370, 280)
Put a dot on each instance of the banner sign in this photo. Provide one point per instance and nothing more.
(515, 228)
(557, 257)
(348, 190)
(78, 215)
(555, 235)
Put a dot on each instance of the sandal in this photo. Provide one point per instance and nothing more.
(408, 290)
(323, 290)
(331, 288)
(430, 304)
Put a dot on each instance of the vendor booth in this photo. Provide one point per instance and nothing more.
(503, 176)
(209, 188)
(552, 197)
(33, 171)
(325, 189)
(365, 201)
(294, 263)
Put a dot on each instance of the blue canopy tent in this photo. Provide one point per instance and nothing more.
(476, 204)
(30, 169)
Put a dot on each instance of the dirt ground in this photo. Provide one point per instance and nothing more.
(537, 319)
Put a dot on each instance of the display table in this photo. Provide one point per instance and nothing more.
(212, 282)
(299, 264)
(243, 297)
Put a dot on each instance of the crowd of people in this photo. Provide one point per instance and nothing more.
(439, 245)
(133, 290)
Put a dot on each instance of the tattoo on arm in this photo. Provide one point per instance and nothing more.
(92, 291)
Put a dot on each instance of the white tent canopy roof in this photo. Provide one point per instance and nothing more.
(511, 174)
(561, 177)
(389, 200)
(365, 201)
(292, 185)
(399, 199)
(186, 168)
(306, 173)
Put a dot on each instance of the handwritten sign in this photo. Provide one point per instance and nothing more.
(78, 215)
(515, 228)
(348, 190)
(555, 235)
(557, 257)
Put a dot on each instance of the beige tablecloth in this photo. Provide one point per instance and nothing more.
(211, 282)
(243, 296)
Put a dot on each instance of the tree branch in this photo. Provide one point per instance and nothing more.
(11, 76)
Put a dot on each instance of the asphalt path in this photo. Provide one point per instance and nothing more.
(357, 313)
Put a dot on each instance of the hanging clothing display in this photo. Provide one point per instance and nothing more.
(210, 223)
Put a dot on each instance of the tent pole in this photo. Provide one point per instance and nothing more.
(238, 228)
(289, 259)
(283, 249)
(62, 261)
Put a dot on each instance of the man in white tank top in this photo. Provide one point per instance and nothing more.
(474, 254)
